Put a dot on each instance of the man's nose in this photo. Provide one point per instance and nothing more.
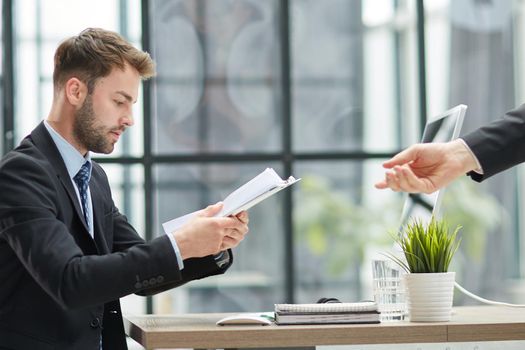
(128, 119)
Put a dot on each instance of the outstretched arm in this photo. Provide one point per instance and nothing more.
(427, 167)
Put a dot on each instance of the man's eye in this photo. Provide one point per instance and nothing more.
(119, 103)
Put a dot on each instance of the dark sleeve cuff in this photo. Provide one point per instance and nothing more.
(222, 259)
(475, 176)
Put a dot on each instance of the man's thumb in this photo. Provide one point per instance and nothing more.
(212, 210)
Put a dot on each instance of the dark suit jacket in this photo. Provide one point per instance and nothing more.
(499, 145)
(60, 287)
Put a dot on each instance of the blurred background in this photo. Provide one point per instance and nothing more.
(322, 90)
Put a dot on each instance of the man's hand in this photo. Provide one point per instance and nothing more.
(235, 236)
(206, 235)
(427, 167)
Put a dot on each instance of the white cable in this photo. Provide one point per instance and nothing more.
(483, 300)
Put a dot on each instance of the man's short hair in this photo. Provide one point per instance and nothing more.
(93, 54)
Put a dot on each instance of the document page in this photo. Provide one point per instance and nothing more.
(254, 191)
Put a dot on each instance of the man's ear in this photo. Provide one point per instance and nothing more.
(75, 91)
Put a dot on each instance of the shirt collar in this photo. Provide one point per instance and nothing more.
(71, 156)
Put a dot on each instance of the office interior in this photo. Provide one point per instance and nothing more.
(322, 90)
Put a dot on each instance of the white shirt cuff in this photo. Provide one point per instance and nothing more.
(177, 250)
(479, 169)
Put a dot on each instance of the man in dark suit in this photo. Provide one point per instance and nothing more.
(66, 253)
(480, 154)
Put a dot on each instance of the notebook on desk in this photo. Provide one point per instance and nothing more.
(326, 313)
(363, 306)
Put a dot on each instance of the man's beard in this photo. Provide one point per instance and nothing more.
(87, 133)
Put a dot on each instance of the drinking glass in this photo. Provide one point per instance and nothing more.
(389, 290)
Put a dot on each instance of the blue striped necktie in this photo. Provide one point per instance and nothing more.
(82, 181)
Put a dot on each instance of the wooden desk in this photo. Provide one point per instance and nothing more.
(468, 324)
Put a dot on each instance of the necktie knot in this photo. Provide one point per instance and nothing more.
(82, 181)
(82, 177)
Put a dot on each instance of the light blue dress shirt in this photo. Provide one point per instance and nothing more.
(74, 161)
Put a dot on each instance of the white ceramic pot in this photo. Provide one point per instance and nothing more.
(429, 296)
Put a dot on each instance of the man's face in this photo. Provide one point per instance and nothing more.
(107, 111)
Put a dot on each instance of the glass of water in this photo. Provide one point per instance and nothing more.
(389, 290)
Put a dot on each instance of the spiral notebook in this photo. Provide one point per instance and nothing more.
(363, 306)
(326, 313)
(327, 318)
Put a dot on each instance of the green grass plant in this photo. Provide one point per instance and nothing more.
(428, 248)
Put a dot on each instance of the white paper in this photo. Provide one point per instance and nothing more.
(254, 191)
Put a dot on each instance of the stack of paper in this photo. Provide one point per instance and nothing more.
(361, 312)
(254, 191)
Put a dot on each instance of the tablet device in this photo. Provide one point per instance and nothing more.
(443, 127)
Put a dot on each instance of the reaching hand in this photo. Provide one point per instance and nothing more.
(206, 235)
(427, 167)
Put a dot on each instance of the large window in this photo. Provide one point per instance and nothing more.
(314, 89)
(322, 90)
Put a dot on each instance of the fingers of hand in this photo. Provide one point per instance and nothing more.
(409, 182)
(232, 222)
(243, 217)
(214, 234)
(229, 242)
(392, 181)
(236, 233)
(381, 185)
(406, 179)
(403, 157)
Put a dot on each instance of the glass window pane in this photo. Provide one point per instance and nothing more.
(473, 55)
(520, 93)
(327, 74)
(255, 280)
(127, 187)
(76, 16)
(218, 82)
(353, 75)
(341, 223)
(487, 259)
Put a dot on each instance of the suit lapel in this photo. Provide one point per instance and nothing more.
(45, 143)
(98, 215)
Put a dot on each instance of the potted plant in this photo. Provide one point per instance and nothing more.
(428, 249)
